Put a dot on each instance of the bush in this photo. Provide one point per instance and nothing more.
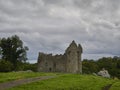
(28, 66)
(5, 66)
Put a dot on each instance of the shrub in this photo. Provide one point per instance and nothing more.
(28, 66)
(5, 66)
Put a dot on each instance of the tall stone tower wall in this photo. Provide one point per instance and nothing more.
(73, 53)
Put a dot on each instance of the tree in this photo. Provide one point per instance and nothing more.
(89, 66)
(0, 49)
(12, 50)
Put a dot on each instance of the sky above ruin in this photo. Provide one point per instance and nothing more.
(50, 25)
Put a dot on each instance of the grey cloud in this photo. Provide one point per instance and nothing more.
(52, 1)
(23, 8)
(50, 25)
(84, 4)
(62, 3)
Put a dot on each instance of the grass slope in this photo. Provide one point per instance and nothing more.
(70, 82)
(115, 86)
(4, 77)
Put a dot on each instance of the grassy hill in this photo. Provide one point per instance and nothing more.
(62, 82)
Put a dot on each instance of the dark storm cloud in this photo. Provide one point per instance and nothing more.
(50, 25)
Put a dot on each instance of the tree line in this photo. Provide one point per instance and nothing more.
(112, 64)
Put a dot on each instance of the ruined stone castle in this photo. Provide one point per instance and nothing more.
(69, 62)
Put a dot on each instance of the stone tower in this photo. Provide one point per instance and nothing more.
(69, 62)
(73, 57)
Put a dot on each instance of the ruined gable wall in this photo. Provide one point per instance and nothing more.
(50, 63)
(45, 62)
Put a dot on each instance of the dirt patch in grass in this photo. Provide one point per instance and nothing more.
(107, 87)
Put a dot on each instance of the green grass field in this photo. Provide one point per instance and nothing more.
(115, 86)
(68, 82)
(21, 75)
(61, 82)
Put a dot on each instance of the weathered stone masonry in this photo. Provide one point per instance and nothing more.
(69, 62)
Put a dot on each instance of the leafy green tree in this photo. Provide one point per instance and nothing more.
(29, 66)
(12, 50)
(0, 49)
(105, 62)
(89, 66)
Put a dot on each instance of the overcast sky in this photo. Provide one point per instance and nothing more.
(50, 25)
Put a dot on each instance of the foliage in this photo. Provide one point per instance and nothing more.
(5, 66)
(89, 66)
(111, 64)
(28, 66)
(12, 50)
